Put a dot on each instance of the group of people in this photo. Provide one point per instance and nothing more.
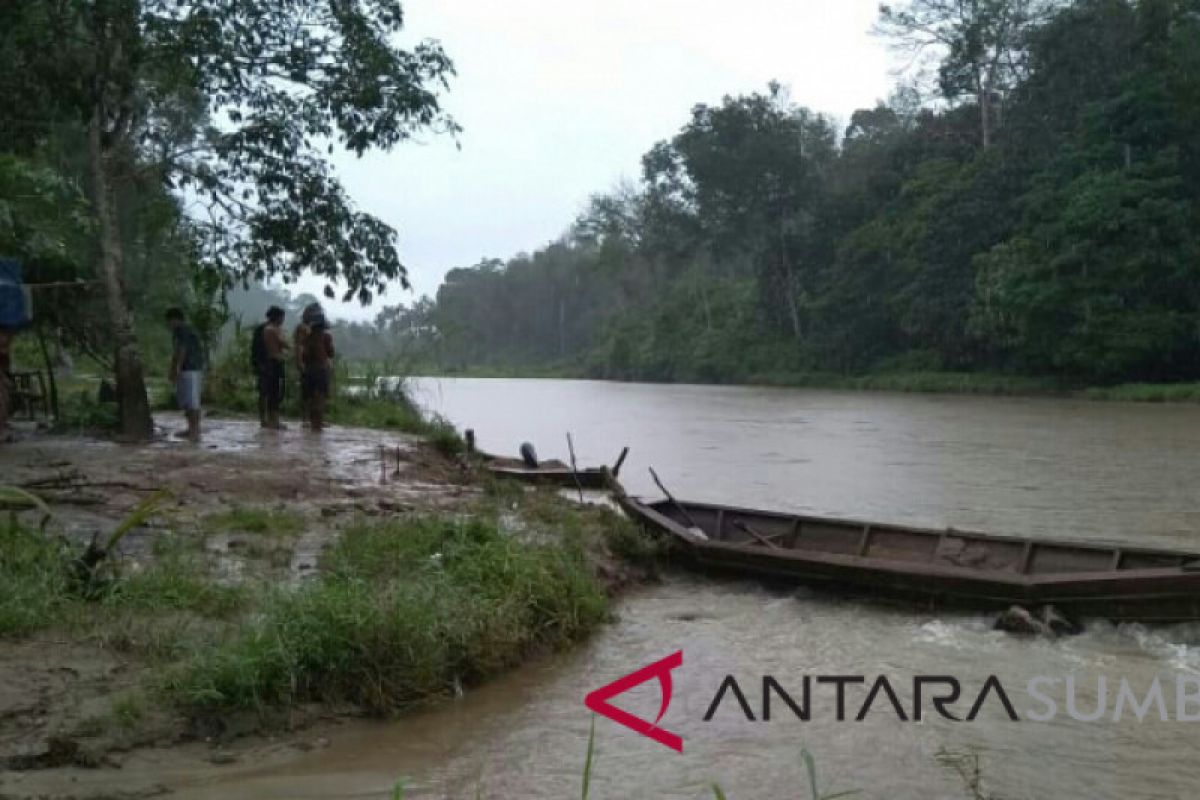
(312, 353)
(310, 350)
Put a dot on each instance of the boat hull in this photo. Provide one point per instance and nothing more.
(944, 567)
(592, 478)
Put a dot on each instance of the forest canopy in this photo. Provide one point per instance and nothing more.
(1034, 208)
(196, 136)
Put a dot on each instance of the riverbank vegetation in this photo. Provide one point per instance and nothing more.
(400, 610)
(1032, 210)
(401, 613)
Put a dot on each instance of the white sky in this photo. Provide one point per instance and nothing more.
(558, 99)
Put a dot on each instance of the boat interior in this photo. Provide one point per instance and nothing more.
(797, 534)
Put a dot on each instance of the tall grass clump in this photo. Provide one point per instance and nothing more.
(403, 612)
(41, 586)
(378, 399)
(34, 585)
(176, 582)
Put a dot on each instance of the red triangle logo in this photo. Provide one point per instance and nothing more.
(597, 701)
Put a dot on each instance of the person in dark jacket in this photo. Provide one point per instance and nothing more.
(186, 372)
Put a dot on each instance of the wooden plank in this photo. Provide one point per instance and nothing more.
(795, 534)
(864, 540)
(937, 548)
(1026, 558)
(763, 540)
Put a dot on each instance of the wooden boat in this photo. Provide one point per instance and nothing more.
(979, 570)
(555, 473)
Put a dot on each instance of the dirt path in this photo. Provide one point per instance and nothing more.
(91, 481)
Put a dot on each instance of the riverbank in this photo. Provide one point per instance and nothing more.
(270, 581)
(964, 383)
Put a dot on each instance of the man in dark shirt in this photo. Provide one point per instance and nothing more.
(187, 371)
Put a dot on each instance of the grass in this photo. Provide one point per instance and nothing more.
(810, 769)
(395, 412)
(917, 382)
(270, 522)
(128, 710)
(403, 612)
(270, 532)
(176, 582)
(365, 395)
(81, 412)
(34, 579)
(1147, 393)
(906, 380)
(131, 609)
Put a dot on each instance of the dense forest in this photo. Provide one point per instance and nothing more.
(1027, 201)
(1032, 207)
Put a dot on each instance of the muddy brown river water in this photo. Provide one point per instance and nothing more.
(1038, 467)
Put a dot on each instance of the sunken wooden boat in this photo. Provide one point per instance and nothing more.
(944, 566)
(555, 473)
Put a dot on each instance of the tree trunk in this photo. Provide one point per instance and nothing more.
(562, 324)
(794, 309)
(985, 114)
(132, 403)
(789, 285)
(705, 306)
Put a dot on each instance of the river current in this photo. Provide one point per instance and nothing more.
(1035, 467)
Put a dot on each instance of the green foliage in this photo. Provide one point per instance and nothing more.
(271, 522)
(1147, 392)
(128, 710)
(1055, 234)
(38, 586)
(34, 586)
(404, 612)
(588, 760)
(176, 582)
(628, 542)
(39, 207)
(231, 106)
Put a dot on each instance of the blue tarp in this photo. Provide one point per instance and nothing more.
(14, 299)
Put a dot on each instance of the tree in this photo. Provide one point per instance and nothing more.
(1101, 279)
(38, 209)
(982, 44)
(750, 171)
(233, 105)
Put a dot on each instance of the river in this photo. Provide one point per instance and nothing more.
(1038, 467)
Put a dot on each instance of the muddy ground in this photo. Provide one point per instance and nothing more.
(53, 684)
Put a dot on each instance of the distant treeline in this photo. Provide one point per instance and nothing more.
(1041, 217)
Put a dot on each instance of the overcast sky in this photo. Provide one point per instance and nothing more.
(558, 99)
